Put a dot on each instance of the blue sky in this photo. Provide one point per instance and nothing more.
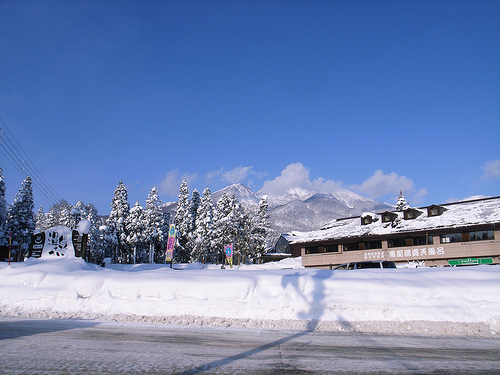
(374, 96)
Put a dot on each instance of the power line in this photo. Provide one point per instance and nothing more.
(40, 177)
(21, 166)
(16, 164)
(18, 157)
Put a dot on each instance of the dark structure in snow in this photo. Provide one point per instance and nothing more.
(60, 242)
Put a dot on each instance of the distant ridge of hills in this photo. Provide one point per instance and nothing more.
(300, 210)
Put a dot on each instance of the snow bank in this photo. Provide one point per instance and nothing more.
(282, 294)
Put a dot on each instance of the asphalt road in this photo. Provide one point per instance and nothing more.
(89, 347)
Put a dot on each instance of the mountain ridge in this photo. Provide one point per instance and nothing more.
(300, 209)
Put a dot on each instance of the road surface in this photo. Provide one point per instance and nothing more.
(29, 346)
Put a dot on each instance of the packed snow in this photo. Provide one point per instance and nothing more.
(278, 295)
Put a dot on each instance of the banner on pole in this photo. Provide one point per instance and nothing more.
(229, 254)
(170, 243)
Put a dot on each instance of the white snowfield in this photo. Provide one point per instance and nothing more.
(280, 295)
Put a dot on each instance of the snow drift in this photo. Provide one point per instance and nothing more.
(277, 293)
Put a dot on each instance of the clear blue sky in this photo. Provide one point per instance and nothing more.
(374, 96)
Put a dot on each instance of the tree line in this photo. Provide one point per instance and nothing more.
(203, 230)
(139, 235)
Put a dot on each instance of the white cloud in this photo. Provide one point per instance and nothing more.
(326, 186)
(491, 170)
(237, 174)
(212, 175)
(380, 184)
(172, 181)
(417, 198)
(296, 177)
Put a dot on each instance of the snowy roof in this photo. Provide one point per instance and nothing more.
(454, 215)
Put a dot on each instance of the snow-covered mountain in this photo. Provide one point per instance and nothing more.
(318, 209)
(244, 194)
(301, 209)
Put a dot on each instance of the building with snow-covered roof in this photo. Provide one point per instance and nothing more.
(460, 233)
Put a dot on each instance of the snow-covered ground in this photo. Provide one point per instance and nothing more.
(280, 295)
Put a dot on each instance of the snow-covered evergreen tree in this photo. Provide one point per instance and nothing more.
(240, 226)
(20, 216)
(204, 240)
(182, 224)
(154, 224)
(232, 226)
(95, 242)
(260, 229)
(402, 204)
(66, 218)
(194, 204)
(159, 255)
(59, 214)
(116, 234)
(134, 227)
(41, 220)
(78, 213)
(3, 210)
(223, 233)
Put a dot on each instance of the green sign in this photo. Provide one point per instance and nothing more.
(470, 261)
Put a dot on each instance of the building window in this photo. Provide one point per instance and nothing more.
(482, 235)
(365, 220)
(351, 246)
(373, 244)
(388, 217)
(282, 246)
(312, 250)
(410, 241)
(421, 240)
(322, 249)
(368, 218)
(362, 245)
(451, 237)
(411, 213)
(396, 242)
(435, 210)
(332, 249)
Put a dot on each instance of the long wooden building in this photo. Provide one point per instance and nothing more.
(460, 233)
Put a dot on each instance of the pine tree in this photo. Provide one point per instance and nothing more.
(240, 227)
(260, 229)
(159, 255)
(223, 233)
(3, 210)
(41, 220)
(402, 204)
(78, 213)
(181, 253)
(232, 227)
(117, 235)
(20, 216)
(66, 218)
(204, 241)
(95, 241)
(59, 214)
(134, 227)
(154, 223)
(194, 204)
